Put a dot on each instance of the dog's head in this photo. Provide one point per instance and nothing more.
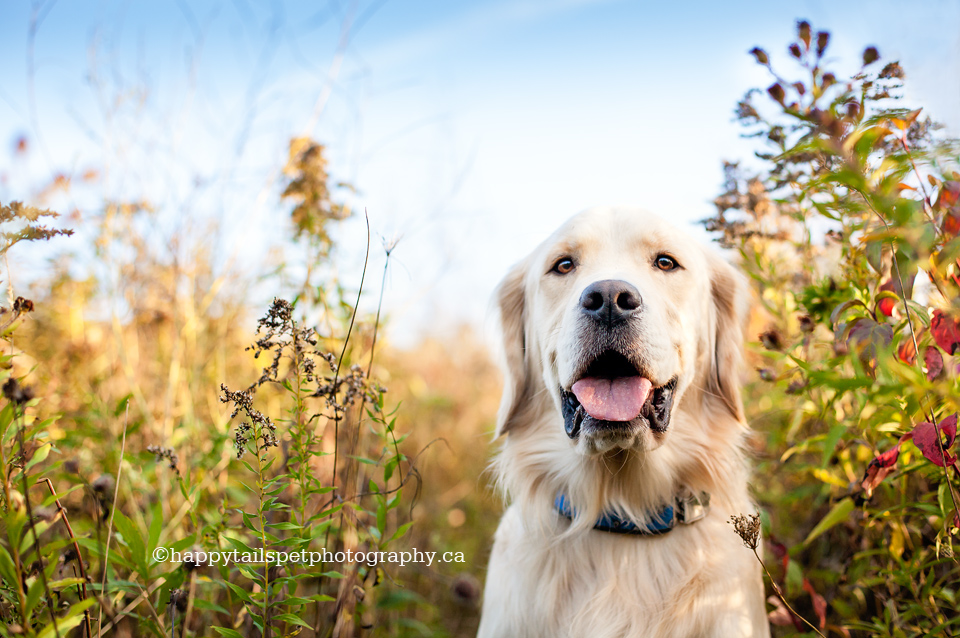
(622, 320)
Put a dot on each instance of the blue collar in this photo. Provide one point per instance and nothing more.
(685, 509)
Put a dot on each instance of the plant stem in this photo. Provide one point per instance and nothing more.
(113, 508)
(776, 590)
(33, 529)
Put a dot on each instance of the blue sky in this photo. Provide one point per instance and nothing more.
(471, 129)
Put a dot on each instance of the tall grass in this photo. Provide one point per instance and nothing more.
(142, 413)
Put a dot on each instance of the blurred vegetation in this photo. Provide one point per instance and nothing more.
(145, 407)
(847, 225)
(135, 398)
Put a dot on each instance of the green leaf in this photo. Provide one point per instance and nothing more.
(40, 455)
(133, 540)
(401, 531)
(292, 619)
(844, 307)
(71, 619)
(7, 569)
(840, 513)
(230, 633)
(200, 603)
(830, 443)
(381, 515)
(33, 595)
(156, 526)
(239, 592)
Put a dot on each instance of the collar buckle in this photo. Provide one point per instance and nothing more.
(691, 507)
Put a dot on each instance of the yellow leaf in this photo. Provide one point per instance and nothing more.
(896, 541)
(828, 478)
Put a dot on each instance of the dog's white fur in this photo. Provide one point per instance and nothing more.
(553, 578)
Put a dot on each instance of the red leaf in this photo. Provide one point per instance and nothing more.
(906, 352)
(949, 427)
(880, 468)
(946, 331)
(926, 435)
(951, 223)
(949, 194)
(819, 602)
(933, 361)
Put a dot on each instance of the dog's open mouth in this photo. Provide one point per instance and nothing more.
(612, 392)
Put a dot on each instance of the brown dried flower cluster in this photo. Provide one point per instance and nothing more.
(258, 425)
(747, 528)
(167, 453)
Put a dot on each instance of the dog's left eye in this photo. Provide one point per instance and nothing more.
(666, 262)
(563, 266)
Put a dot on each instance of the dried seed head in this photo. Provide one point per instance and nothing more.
(760, 55)
(747, 528)
(803, 30)
(167, 453)
(772, 339)
(21, 305)
(178, 600)
(16, 393)
(776, 92)
(823, 38)
(465, 590)
(870, 55)
(103, 485)
(69, 554)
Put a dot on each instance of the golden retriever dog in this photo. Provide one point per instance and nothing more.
(624, 429)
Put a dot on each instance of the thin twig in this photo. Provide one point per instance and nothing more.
(113, 508)
(343, 351)
(33, 527)
(190, 596)
(776, 590)
(133, 604)
(82, 588)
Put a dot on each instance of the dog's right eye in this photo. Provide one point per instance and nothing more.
(563, 266)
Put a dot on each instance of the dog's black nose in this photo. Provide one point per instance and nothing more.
(610, 300)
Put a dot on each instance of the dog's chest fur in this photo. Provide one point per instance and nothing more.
(682, 584)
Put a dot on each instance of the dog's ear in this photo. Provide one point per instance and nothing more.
(511, 304)
(730, 297)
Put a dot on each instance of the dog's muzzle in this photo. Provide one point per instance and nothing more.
(612, 394)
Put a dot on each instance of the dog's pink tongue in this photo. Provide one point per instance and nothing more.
(618, 399)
